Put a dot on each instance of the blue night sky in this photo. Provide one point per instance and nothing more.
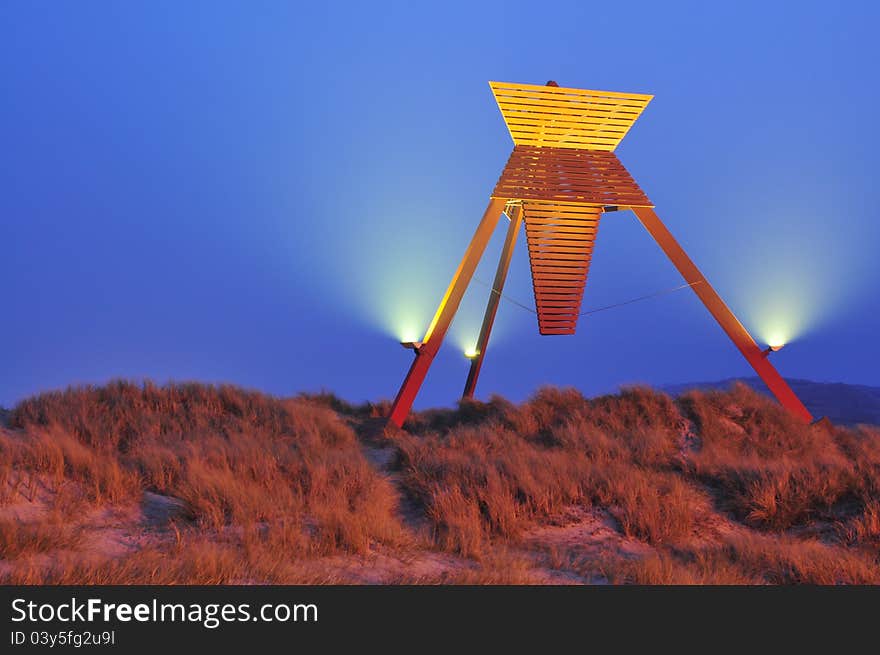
(273, 194)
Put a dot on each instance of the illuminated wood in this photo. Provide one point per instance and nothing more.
(558, 288)
(445, 313)
(563, 175)
(494, 299)
(567, 118)
(570, 178)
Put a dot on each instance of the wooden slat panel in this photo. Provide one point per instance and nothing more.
(564, 117)
(566, 180)
(559, 254)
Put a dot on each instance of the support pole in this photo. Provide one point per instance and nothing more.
(445, 313)
(494, 298)
(720, 311)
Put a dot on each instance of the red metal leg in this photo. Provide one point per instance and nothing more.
(726, 319)
(445, 313)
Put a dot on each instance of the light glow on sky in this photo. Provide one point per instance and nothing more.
(275, 196)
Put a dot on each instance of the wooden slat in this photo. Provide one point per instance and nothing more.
(564, 245)
(564, 259)
(539, 217)
(557, 295)
(560, 274)
(561, 283)
(593, 103)
(564, 233)
(562, 121)
(594, 107)
(540, 88)
(562, 269)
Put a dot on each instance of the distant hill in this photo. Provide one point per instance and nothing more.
(847, 404)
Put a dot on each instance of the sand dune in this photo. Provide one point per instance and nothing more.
(131, 483)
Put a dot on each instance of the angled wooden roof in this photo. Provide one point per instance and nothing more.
(567, 118)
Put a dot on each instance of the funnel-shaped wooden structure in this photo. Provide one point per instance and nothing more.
(561, 177)
(563, 193)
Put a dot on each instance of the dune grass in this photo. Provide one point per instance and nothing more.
(283, 474)
(267, 490)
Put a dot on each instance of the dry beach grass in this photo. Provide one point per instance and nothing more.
(191, 483)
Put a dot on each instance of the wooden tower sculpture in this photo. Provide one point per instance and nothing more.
(561, 177)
